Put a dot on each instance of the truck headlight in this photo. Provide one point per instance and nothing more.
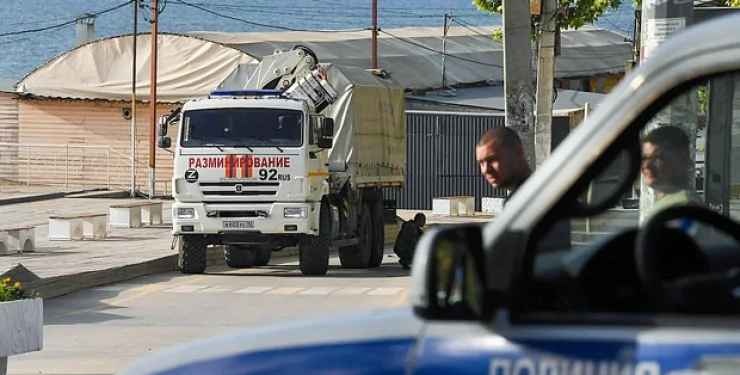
(186, 213)
(294, 212)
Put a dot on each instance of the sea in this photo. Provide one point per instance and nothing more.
(33, 32)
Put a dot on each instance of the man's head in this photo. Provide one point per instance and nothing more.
(665, 159)
(420, 219)
(501, 158)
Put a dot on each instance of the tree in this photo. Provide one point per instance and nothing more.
(576, 13)
(573, 13)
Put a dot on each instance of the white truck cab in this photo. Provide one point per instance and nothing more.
(259, 169)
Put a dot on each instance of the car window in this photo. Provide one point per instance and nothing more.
(689, 155)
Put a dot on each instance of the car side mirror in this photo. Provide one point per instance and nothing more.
(326, 133)
(448, 278)
(162, 125)
(164, 142)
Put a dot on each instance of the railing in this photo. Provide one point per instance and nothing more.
(67, 165)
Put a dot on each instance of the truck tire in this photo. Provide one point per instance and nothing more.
(313, 254)
(376, 255)
(239, 256)
(262, 256)
(191, 253)
(358, 256)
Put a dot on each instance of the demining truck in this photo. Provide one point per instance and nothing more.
(299, 155)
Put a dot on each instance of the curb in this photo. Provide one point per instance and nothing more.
(42, 197)
(60, 285)
(31, 198)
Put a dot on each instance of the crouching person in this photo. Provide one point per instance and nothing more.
(407, 238)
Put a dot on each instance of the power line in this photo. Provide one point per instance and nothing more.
(52, 27)
(226, 16)
(411, 42)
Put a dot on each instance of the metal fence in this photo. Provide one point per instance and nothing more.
(440, 158)
(68, 165)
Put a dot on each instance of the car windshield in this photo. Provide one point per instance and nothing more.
(632, 255)
(246, 127)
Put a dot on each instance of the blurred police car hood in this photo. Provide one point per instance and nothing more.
(378, 340)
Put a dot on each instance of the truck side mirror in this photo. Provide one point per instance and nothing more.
(326, 133)
(162, 125)
(164, 142)
(448, 276)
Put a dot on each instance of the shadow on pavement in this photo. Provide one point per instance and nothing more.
(98, 304)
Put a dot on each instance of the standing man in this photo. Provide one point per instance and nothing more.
(501, 158)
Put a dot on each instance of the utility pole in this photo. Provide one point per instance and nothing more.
(133, 99)
(444, 50)
(374, 41)
(545, 73)
(153, 99)
(518, 87)
(659, 21)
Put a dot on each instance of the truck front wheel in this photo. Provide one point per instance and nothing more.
(191, 251)
(314, 255)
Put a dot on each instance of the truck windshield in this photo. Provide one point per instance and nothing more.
(244, 127)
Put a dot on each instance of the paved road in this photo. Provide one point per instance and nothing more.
(99, 331)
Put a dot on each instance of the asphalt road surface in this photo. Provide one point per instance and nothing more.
(101, 330)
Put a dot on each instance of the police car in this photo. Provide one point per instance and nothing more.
(636, 292)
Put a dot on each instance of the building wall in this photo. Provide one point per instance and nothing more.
(8, 134)
(86, 144)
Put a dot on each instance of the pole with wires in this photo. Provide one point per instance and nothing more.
(152, 99)
(374, 42)
(135, 4)
(444, 50)
(545, 80)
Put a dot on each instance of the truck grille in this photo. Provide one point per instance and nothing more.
(239, 189)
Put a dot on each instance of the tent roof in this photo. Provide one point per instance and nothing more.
(187, 67)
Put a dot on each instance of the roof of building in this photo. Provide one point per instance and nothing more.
(493, 98)
(192, 65)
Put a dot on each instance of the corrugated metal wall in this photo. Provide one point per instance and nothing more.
(86, 123)
(8, 134)
(440, 157)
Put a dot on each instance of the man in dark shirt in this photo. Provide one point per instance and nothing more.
(501, 158)
(407, 238)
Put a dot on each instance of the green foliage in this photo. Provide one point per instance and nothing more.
(727, 3)
(498, 34)
(573, 13)
(10, 290)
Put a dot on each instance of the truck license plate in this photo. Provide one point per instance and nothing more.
(239, 225)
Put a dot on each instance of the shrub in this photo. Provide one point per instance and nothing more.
(10, 290)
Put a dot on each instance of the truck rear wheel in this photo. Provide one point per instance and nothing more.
(191, 251)
(237, 256)
(358, 256)
(314, 255)
(262, 256)
(376, 255)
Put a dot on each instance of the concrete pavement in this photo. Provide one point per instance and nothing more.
(102, 330)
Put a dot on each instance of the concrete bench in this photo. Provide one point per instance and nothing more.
(78, 227)
(17, 239)
(453, 206)
(132, 215)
